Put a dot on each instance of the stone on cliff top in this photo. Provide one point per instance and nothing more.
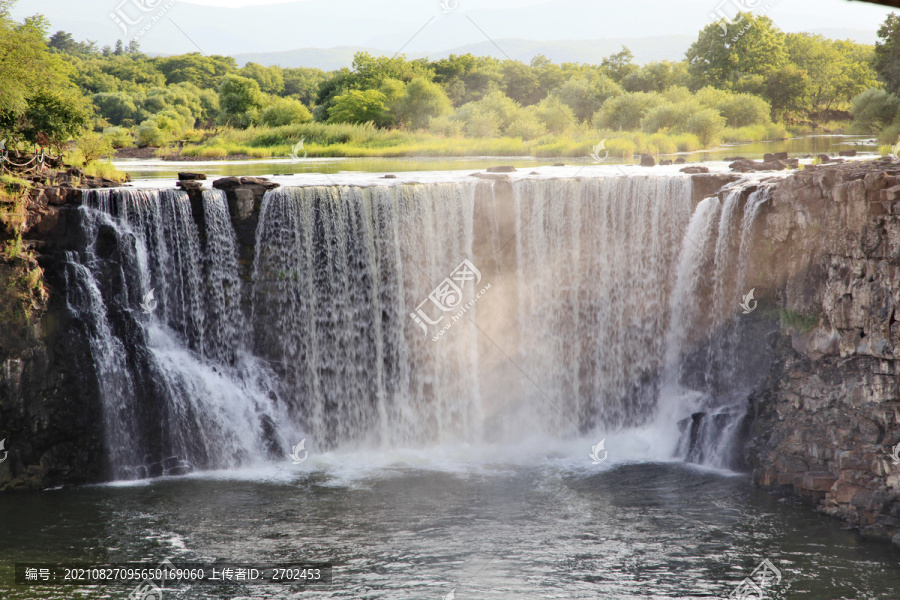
(269, 185)
(188, 185)
(768, 156)
(680, 160)
(226, 183)
(505, 169)
(647, 161)
(664, 162)
(823, 158)
(847, 153)
(695, 170)
(191, 176)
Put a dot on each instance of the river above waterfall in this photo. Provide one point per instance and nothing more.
(536, 521)
(163, 169)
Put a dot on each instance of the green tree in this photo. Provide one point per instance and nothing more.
(285, 111)
(206, 72)
(873, 110)
(585, 95)
(270, 79)
(421, 101)
(752, 46)
(357, 106)
(620, 65)
(240, 101)
(887, 53)
(61, 115)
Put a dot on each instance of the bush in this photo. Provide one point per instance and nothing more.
(527, 127)
(626, 111)
(707, 125)
(743, 109)
(93, 146)
(285, 111)
(119, 137)
(873, 110)
(586, 97)
(669, 116)
(556, 116)
(446, 126)
(421, 101)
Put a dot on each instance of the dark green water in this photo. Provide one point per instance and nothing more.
(497, 532)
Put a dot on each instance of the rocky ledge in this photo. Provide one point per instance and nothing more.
(826, 424)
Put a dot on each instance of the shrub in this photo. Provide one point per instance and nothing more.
(743, 109)
(528, 127)
(555, 115)
(119, 137)
(421, 101)
(626, 111)
(669, 116)
(707, 125)
(285, 111)
(586, 97)
(446, 126)
(93, 146)
(874, 110)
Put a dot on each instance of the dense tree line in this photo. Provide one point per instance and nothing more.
(751, 74)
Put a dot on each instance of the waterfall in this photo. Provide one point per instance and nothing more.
(179, 389)
(615, 297)
(595, 258)
(337, 272)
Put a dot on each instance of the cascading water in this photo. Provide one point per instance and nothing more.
(337, 272)
(616, 298)
(178, 388)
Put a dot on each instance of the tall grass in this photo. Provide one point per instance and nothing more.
(366, 140)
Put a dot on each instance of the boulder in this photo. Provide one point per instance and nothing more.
(823, 158)
(680, 160)
(647, 160)
(847, 153)
(695, 170)
(781, 156)
(191, 176)
(768, 156)
(189, 184)
(390, 176)
(665, 161)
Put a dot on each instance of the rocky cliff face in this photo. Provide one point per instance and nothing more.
(828, 417)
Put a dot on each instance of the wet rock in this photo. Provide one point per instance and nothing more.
(189, 184)
(647, 160)
(665, 162)
(680, 160)
(389, 176)
(185, 176)
(847, 153)
(695, 170)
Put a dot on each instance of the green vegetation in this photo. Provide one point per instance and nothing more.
(752, 84)
(803, 323)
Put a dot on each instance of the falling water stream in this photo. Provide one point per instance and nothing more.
(436, 461)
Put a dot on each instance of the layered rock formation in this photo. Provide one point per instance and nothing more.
(827, 419)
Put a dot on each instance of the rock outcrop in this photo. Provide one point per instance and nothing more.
(827, 420)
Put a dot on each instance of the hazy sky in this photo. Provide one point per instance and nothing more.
(234, 26)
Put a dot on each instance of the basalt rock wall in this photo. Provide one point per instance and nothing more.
(826, 422)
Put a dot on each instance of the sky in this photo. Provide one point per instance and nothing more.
(416, 26)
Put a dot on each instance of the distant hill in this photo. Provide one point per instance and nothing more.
(671, 47)
(645, 50)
